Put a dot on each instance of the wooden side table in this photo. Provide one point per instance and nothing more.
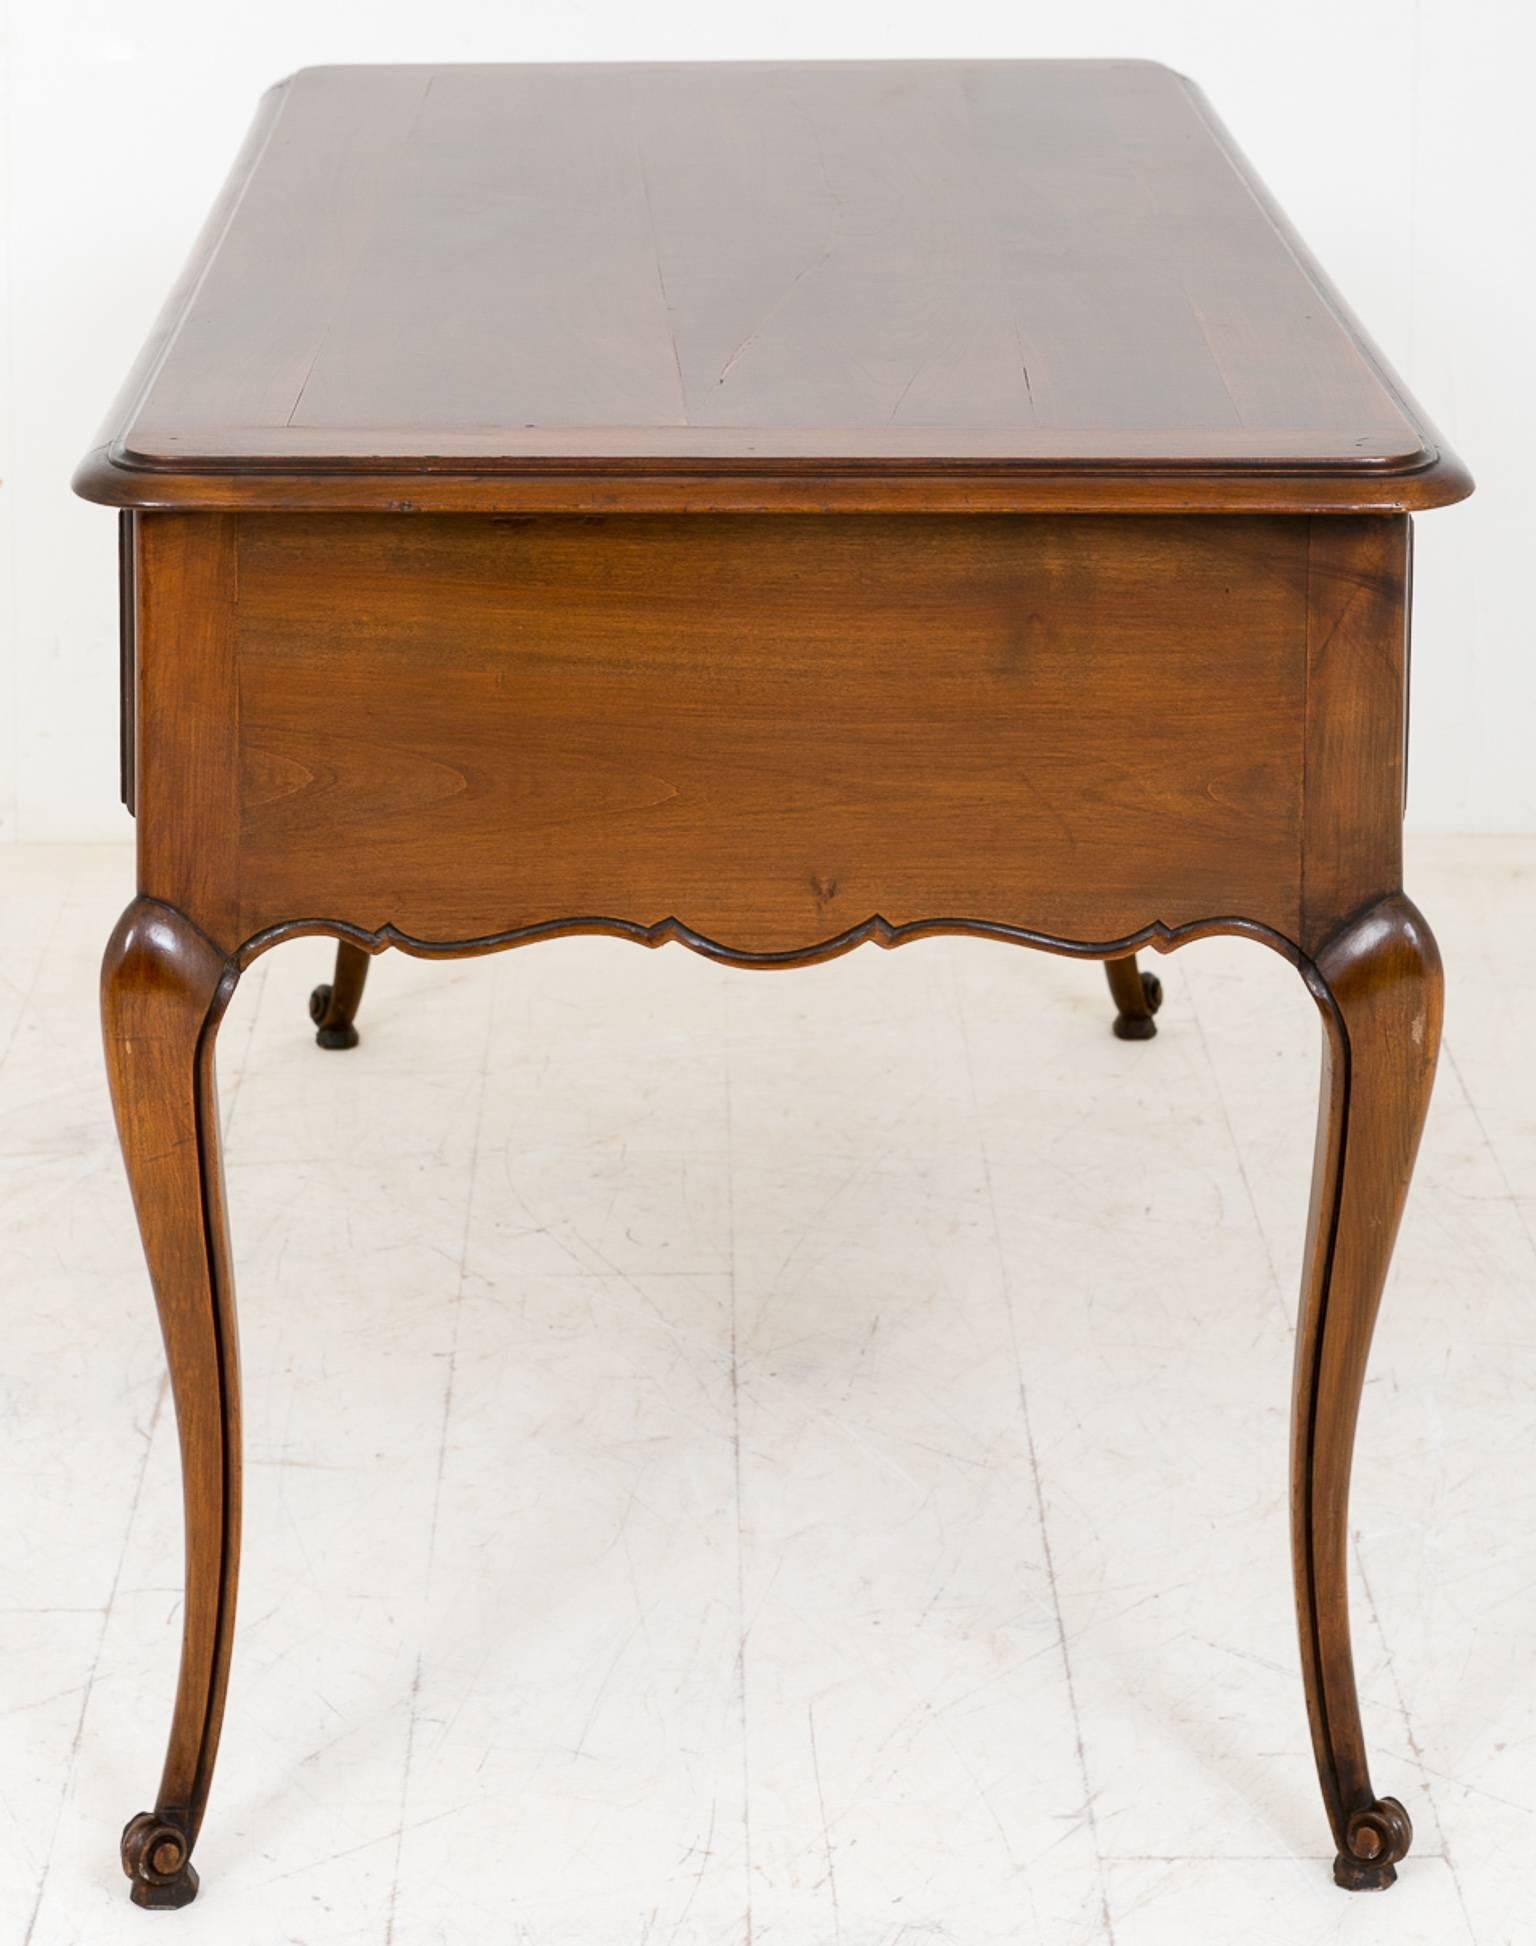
(769, 508)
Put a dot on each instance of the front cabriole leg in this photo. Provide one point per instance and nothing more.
(1379, 988)
(164, 987)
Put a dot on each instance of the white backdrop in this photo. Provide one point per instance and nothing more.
(1397, 133)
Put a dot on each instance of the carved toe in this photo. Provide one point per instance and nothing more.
(1135, 1023)
(1376, 1839)
(330, 1031)
(156, 1857)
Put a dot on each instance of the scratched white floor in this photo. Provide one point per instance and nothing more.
(742, 1457)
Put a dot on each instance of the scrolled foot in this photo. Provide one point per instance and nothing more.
(1376, 1841)
(333, 1008)
(157, 1858)
(331, 1029)
(1138, 995)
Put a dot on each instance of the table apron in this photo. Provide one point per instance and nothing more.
(768, 732)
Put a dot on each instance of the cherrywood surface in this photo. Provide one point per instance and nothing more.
(768, 729)
(163, 987)
(1355, 761)
(1379, 984)
(768, 509)
(714, 284)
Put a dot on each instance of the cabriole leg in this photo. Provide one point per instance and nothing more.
(1381, 1001)
(163, 989)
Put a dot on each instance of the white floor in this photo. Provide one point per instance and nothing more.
(754, 1458)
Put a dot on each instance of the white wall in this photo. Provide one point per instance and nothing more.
(1397, 133)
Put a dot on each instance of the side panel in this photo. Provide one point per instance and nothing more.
(768, 728)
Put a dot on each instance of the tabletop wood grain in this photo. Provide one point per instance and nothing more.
(1000, 285)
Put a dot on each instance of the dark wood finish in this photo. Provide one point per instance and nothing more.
(333, 1007)
(163, 989)
(1007, 286)
(127, 622)
(1137, 995)
(1378, 982)
(770, 510)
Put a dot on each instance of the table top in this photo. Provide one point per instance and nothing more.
(1016, 285)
